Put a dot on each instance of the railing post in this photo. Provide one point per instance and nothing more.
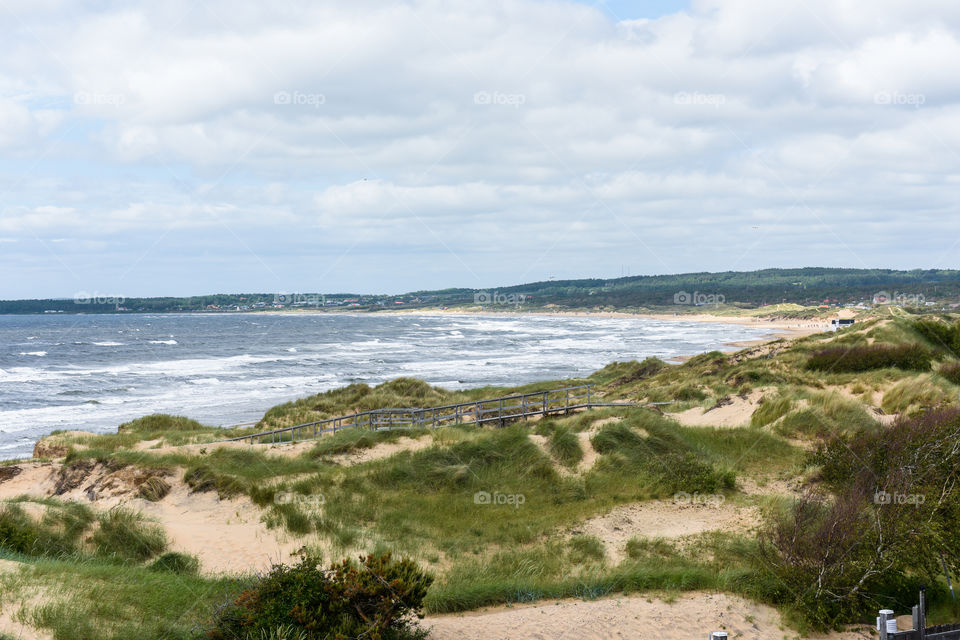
(589, 400)
(921, 624)
(566, 403)
(887, 623)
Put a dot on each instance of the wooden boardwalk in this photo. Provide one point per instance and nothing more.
(495, 410)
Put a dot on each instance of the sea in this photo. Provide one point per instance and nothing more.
(94, 372)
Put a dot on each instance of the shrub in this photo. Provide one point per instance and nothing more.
(178, 563)
(378, 598)
(125, 535)
(909, 357)
(951, 372)
(867, 547)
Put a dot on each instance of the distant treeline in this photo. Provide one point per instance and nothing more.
(808, 286)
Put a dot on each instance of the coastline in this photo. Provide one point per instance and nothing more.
(783, 328)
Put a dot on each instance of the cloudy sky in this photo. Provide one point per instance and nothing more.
(200, 146)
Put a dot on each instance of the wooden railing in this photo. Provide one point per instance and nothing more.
(479, 412)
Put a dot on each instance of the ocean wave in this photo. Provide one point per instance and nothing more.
(163, 342)
(36, 354)
(107, 344)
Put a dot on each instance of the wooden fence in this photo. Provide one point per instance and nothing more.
(479, 412)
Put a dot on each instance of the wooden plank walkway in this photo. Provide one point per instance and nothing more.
(480, 412)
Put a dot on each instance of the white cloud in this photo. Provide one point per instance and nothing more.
(585, 144)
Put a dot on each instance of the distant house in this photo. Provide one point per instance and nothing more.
(840, 323)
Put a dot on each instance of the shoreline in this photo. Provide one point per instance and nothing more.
(784, 328)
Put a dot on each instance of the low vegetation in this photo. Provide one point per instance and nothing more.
(909, 357)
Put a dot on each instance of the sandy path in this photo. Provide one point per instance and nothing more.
(636, 617)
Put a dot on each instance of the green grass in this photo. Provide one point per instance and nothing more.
(914, 394)
(565, 447)
(104, 601)
(126, 536)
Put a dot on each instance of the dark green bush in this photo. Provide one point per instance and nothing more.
(951, 371)
(378, 598)
(894, 509)
(909, 357)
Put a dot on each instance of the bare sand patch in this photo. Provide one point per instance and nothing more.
(663, 519)
(34, 479)
(691, 615)
(730, 411)
(226, 535)
(382, 450)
